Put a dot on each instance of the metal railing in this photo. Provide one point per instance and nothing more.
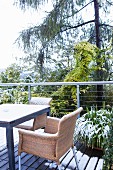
(85, 92)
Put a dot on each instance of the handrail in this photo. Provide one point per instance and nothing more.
(58, 83)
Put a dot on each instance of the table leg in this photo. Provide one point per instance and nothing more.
(10, 147)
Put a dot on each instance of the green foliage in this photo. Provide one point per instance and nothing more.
(6, 96)
(65, 102)
(13, 95)
(57, 75)
(20, 95)
(108, 147)
(84, 55)
(11, 74)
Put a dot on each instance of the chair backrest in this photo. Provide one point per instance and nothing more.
(40, 100)
(40, 121)
(66, 131)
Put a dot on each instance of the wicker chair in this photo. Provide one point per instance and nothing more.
(39, 121)
(54, 142)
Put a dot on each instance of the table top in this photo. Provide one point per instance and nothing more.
(12, 112)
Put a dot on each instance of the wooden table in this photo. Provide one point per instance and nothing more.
(13, 114)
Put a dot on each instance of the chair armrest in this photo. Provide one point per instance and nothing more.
(37, 135)
(52, 125)
(39, 144)
(31, 139)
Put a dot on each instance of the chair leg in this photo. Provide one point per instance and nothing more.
(75, 158)
(19, 162)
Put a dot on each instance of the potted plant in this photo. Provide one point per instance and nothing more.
(92, 128)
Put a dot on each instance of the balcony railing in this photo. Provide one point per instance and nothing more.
(85, 93)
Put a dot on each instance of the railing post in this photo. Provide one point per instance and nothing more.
(29, 93)
(78, 96)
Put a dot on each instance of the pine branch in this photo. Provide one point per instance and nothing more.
(106, 25)
(110, 3)
(84, 6)
(79, 25)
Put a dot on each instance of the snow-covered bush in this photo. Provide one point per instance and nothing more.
(92, 128)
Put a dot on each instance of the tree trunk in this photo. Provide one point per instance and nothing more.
(98, 44)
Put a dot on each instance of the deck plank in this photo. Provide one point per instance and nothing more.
(85, 158)
(68, 158)
(92, 163)
(100, 164)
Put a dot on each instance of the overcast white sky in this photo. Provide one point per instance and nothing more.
(12, 21)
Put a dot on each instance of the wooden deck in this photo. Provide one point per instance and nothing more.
(89, 159)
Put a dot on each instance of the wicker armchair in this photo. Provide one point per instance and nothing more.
(39, 121)
(54, 142)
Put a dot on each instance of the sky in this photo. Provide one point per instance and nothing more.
(12, 21)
